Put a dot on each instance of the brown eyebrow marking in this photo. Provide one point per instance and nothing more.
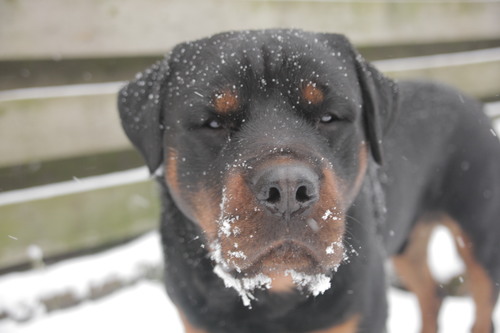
(226, 101)
(312, 94)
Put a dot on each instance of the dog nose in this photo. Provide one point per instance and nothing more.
(287, 190)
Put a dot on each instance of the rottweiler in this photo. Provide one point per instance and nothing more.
(291, 171)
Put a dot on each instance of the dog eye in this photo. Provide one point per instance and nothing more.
(327, 118)
(214, 124)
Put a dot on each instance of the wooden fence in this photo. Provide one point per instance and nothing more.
(69, 179)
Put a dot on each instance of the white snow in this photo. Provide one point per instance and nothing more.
(316, 284)
(334, 245)
(21, 293)
(331, 215)
(245, 286)
(141, 308)
(497, 124)
(444, 261)
(144, 307)
(224, 221)
(328, 213)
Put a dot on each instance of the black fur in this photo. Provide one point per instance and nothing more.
(432, 151)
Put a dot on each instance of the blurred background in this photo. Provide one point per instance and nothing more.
(78, 212)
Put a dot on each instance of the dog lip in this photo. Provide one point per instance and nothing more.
(299, 249)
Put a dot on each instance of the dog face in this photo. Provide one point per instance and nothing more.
(263, 138)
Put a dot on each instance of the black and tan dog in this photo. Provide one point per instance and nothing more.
(291, 170)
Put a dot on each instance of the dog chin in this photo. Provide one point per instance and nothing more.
(306, 282)
(287, 273)
(278, 271)
(276, 282)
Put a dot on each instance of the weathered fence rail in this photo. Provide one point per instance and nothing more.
(51, 29)
(75, 215)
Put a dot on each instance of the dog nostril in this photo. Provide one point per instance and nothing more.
(286, 190)
(301, 194)
(274, 195)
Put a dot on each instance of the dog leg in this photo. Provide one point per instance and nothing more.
(478, 281)
(413, 270)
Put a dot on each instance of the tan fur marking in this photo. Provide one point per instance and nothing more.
(479, 283)
(171, 170)
(188, 328)
(245, 215)
(226, 101)
(312, 94)
(238, 192)
(281, 283)
(414, 272)
(330, 188)
(363, 165)
(206, 213)
(349, 326)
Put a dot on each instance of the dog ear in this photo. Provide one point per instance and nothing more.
(379, 94)
(140, 107)
(380, 104)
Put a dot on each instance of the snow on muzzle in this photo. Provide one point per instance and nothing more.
(282, 215)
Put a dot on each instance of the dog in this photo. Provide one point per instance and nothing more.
(291, 171)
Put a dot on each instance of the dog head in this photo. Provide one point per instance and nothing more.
(263, 138)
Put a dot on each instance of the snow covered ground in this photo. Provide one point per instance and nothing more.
(145, 307)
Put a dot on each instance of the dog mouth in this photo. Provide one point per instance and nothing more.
(283, 266)
(279, 257)
(264, 239)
